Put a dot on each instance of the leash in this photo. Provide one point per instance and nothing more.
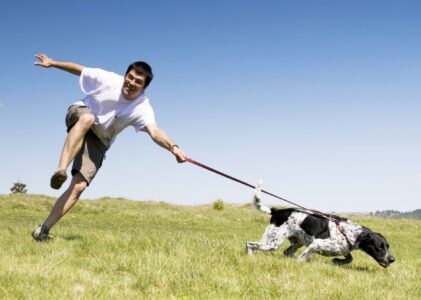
(253, 187)
(316, 212)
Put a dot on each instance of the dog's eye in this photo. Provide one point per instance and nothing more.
(384, 246)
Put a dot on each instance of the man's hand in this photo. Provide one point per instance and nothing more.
(44, 61)
(179, 155)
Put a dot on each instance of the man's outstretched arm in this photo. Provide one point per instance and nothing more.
(47, 62)
(162, 139)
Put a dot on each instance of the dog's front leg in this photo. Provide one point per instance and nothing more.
(312, 248)
(272, 238)
(327, 247)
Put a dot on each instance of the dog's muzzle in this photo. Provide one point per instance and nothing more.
(388, 259)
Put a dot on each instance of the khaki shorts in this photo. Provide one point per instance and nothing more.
(89, 159)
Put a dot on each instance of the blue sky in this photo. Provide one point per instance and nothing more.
(320, 99)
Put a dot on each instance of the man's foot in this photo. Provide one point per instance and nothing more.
(41, 234)
(58, 178)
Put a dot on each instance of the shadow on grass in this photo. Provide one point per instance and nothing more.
(358, 268)
(73, 237)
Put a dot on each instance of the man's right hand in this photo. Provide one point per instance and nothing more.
(44, 61)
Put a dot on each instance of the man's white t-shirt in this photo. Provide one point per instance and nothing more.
(112, 112)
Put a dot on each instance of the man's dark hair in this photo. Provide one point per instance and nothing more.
(142, 68)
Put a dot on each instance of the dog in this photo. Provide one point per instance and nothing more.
(327, 235)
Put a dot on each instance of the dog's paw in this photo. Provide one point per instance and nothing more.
(303, 257)
(339, 261)
(343, 261)
(289, 253)
(249, 251)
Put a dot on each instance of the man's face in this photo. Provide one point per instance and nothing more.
(133, 85)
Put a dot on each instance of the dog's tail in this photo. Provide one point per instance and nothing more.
(256, 200)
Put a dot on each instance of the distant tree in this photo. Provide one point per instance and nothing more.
(18, 188)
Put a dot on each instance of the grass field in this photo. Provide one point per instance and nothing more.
(120, 249)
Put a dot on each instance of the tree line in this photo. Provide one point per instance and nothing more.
(415, 214)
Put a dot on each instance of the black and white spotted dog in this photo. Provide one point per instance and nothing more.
(333, 236)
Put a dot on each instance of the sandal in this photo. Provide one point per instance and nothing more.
(41, 234)
(58, 179)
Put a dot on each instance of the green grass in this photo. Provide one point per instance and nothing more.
(120, 249)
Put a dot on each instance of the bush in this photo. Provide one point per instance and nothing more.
(18, 187)
(218, 204)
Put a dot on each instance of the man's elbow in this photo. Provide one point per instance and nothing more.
(152, 131)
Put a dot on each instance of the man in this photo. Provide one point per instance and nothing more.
(112, 103)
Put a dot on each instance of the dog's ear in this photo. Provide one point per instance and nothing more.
(380, 235)
(361, 239)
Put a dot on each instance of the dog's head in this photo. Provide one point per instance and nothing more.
(375, 245)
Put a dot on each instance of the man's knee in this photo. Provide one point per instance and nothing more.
(79, 187)
(86, 120)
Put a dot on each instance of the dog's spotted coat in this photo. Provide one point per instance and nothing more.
(320, 235)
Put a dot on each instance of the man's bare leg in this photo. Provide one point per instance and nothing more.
(72, 146)
(67, 200)
(63, 204)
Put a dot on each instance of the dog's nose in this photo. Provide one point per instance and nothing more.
(391, 259)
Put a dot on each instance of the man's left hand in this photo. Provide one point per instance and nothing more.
(179, 155)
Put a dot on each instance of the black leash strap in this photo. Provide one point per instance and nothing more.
(316, 212)
(249, 185)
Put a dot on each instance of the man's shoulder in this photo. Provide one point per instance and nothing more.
(143, 102)
(142, 106)
(101, 73)
(95, 81)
